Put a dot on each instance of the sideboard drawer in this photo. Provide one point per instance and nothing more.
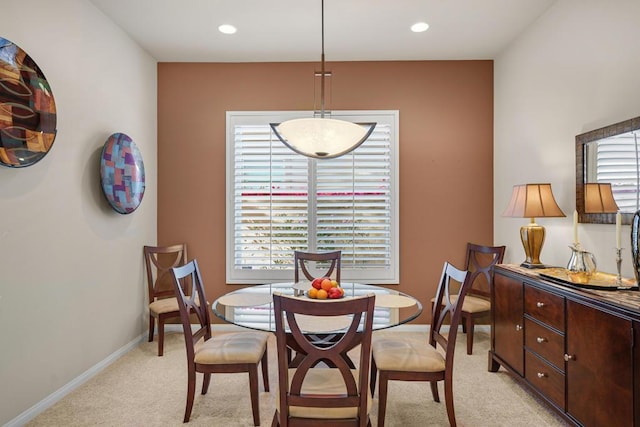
(545, 342)
(545, 378)
(546, 307)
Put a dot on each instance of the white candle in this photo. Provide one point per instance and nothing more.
(575, 227)
(618, 226)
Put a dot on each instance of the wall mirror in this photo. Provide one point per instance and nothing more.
(610, 155)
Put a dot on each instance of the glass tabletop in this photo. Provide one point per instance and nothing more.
(252, 307)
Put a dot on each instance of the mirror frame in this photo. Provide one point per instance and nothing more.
(581, 141)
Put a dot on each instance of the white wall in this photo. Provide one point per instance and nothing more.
(574, 70)
(71, 269)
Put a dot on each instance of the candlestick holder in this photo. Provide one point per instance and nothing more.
(619, 265)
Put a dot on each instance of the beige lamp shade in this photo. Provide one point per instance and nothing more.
(531, 201)
(598, 198)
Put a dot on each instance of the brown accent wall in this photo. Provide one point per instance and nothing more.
(446, 152)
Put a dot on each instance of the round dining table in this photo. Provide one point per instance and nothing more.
(252, 307)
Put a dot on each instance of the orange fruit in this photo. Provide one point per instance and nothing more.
(313, 293)
(322, 294)
(326, 285)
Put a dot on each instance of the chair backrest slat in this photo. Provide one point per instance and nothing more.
(159, 260)
(188, 276)
(479, 262)
(301, 258)
(446, 307)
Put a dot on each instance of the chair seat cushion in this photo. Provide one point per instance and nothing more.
(236, 347)
(472, 304)
(393, 354)
(168, 305)
(161, 306)
(324, 381)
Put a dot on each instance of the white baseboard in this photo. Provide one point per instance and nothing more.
(54, 397)
(425, 328)
(414, 327)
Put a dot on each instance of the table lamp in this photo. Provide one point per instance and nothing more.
(598, 198)
(532, 201)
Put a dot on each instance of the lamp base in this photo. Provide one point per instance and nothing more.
(532, 237)
(532, 265)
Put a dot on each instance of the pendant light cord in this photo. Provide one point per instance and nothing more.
(322, 66)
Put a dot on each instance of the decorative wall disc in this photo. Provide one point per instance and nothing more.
(122, 173)
(27, 109)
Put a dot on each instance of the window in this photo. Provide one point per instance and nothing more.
(279, 201)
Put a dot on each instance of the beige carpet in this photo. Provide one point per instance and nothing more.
(142, 389)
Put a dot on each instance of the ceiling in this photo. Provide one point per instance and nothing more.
(290, 30)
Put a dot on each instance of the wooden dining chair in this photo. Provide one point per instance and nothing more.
(302, 260)
(323, 389)
(406, 359)
(225, 353)
(162, 298)
(479, 262)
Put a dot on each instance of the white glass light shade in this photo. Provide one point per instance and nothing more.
(322, 138)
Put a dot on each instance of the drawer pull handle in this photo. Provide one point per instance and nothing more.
(542, 375)
(539, 304)
(568, 357)
(540, 340)
(518, 327)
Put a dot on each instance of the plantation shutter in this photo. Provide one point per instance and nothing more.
(354, 203)
(270, 200)
(617, 163)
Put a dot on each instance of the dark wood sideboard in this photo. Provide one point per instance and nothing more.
(571, 346)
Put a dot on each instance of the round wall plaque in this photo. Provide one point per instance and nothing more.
(27, 109)
(122, 173)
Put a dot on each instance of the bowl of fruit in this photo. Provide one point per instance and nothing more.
(325, 288)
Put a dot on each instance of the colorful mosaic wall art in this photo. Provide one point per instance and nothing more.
(122, 173)
(27, 109)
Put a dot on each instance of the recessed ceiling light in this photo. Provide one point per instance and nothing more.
(420, 27)
(227, 29)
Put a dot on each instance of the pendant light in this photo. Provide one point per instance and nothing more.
(321, 137)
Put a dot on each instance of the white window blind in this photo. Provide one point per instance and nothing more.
(280, 201)
(617, 160)
(353, 204)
